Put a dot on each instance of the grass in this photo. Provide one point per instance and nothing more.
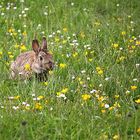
(94, 90)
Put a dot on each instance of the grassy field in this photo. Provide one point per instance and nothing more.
(94, 91)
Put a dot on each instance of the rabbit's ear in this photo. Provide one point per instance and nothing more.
(44, 44)
(35, 46)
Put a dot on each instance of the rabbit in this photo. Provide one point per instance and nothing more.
(38, 61)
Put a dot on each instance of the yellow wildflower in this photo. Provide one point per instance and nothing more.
(121, 58)
(116, 137)
(24, 33)
(65, 29)
(27, 67)
(100, 99)
(99, 70)
(123, 33)
(58, 93)
(16, 46)
(0, 54)
(133, 47)
(115, 45)
(46, 101)
(116, 104)
(117, 96)
(38, 106)
(81, 82)
(137, 42)
(102, 104)
(138, 131)
(9, 53)
(23, 47)
(40, 97)
(45, 83)
(79, 78)
(57, 39)
(65, 90)
(90, 59)
(27, 107)
(11, 30)
(133, 37)
(75, 54)
(103, 110)
(11, 56)
(62, 65)
(131, 40)
(133, 88)
(64, 41)
(86, 97)
(137, 101)
(111, 108)
(16, 97)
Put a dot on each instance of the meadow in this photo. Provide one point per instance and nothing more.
(93, 93)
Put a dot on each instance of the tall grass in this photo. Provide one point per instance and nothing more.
(94, 90)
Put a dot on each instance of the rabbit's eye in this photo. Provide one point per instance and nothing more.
(41, 58)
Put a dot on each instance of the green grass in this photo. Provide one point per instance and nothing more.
(80, 34)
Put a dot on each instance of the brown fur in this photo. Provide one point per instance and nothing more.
(40, 61)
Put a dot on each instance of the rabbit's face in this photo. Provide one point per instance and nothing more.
(43, 59)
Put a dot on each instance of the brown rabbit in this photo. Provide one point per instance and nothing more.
(38, 62)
